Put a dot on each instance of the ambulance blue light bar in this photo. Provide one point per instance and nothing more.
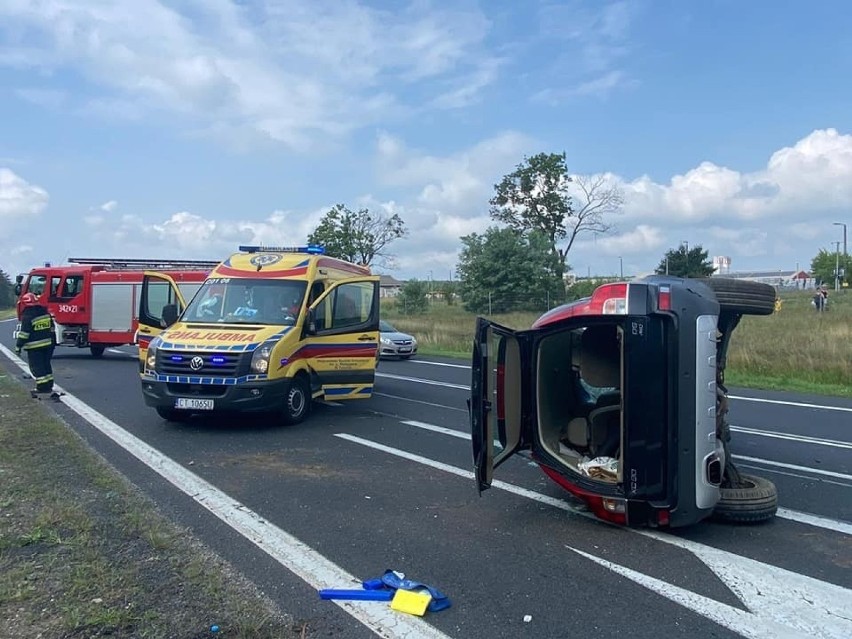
(313, 249)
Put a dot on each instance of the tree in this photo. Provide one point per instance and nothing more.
(7, 290)
(504, 270)
(357, 236)
(686, 262)
(824, 264)
(536, 196)
(585, 288)
(412, 299)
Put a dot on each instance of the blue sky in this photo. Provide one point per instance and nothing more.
(146, 128)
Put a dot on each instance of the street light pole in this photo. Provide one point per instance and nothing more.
(844, 236)
(686, 253)
(621, 267)
(836, 266)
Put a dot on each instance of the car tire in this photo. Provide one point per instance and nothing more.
(754, 500)
(172, 415)
(297, 403)
(742, 296)
(97, 350)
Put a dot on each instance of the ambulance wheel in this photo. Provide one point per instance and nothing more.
(742, 296)
(755, 499)
(172, 415)
(297, 403)
(97, 350)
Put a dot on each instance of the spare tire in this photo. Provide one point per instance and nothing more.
(742, 296)
(755, 500)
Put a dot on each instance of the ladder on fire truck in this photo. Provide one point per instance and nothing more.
(133, 264)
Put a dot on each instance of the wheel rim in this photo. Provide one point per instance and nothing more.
(296, 401)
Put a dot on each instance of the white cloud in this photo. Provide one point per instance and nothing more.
(18, 200)
(782, 213)
(813, 175)
(108, 206)
(292, 72)
(593, 39)
(46, 98)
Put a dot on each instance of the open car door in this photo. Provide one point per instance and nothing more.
(497, 426)
(160, 305)
(341, 335)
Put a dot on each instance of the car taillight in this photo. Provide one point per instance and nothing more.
(610, 299)
(664, 300)
(662, 517)
(614, 505)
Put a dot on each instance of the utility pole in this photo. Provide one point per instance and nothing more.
(621, 267)
(836, 266)
(845, 254)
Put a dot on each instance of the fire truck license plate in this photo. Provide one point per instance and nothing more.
(189, 403)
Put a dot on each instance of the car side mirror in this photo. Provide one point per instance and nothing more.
(170, 314)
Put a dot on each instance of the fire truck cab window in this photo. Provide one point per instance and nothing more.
(54, 285)
(36, 284)
(73, 285)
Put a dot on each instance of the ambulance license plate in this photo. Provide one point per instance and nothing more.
(191, 403)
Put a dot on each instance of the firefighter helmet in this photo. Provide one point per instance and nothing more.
(29, 299)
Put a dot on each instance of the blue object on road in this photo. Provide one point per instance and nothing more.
(360, 595)
(394, 580)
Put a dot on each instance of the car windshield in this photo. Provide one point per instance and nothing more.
(247, 301)
(384, 327)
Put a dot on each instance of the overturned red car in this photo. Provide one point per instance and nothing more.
(620, 399)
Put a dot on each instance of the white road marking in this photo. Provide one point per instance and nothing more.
(787, 403)
(419, 401)
(420, 380)
(734, 397)
(803, 469)
(293, 554)
(780, 603)
(775, 471)
(821, 522)
(425, 361)
(796, 438)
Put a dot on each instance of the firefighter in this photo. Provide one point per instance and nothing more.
(38, 338)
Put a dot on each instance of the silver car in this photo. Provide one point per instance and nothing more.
(395, 343)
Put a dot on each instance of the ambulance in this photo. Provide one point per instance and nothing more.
(269, 331)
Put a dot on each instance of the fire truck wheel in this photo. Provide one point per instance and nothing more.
(755, 500)
(97, 350)
(742, 296)
(297, 404)
(171, 415)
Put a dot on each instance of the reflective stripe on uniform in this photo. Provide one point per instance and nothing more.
(44, 378)
(41, 343)
(22, 335)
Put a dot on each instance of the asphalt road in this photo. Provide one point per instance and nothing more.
(386, 483)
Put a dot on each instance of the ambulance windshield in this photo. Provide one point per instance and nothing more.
(247, 301)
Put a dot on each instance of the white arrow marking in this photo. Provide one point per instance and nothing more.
(779, 603)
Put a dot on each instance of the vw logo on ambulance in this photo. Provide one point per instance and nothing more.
(196, 363)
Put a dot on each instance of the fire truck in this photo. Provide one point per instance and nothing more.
(94, 301)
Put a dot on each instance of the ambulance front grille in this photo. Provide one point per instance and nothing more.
(197, 363)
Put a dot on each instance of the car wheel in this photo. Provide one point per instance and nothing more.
(297, 404)
(755, 499)
(742, 296)
(172, 415)
(97, 350)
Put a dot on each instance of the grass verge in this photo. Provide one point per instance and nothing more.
(85, 554)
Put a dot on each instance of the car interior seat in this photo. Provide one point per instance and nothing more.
(600, 366)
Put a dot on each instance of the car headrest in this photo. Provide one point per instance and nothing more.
(600, 356)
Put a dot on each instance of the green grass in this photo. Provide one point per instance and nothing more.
(7, 313)
(84, 554)
(795, 349)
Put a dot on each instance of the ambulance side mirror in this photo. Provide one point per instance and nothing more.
(311, 322)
